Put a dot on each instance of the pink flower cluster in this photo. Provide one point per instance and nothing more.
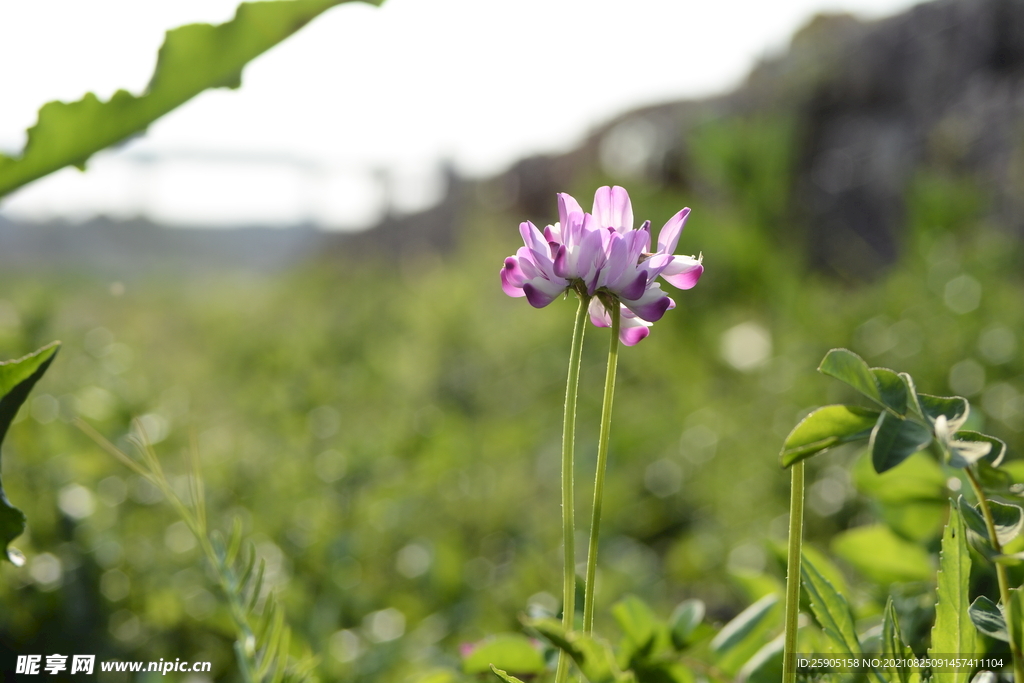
(601, 255)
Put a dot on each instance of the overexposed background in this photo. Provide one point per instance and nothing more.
(365, 93)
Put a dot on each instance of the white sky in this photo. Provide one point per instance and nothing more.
(363, 90)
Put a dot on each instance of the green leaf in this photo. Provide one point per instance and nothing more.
(954, 408)
(17, 377)
(895, 439)
(913, 403)
(766, 665)
(830, 609)
(593, 656)
(508, 651)
(953, 632)
(504, 676)
(687, 616)
(825, 428)
(989, 619)
(894, 647)
(985, 677)
(995, 456)
(746, 633)
(882, 556)
(637, 622)
(892, 389)
(192, 59)
(846, 366)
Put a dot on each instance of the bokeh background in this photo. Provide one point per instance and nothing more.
(310, 289)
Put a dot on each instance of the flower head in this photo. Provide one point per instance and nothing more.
(600, 255)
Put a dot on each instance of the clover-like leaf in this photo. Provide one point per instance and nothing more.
(995, 454)
(881, 385)
(17, 377)
(989, 619)
(826, 428)
(192, 59)
(894, 439)
(954, 408)
(1008, 520)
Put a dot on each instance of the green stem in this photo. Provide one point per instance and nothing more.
(796, 530)
(602, 462)
(1001, 576)
(568, 523)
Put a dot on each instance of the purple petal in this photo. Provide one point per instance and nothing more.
(561, 266)
(541, 292)
(683, 272)
(512, 278)
(613, 209)
(532, 237)
(668, 238)
(631, 336)
(567, 205)
(599, 314)
(635, 288)
(651, 306)
(618, 260)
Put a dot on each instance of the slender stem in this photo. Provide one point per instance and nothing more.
(602, 461)
(796, 531)
(1001, 576)
(568, 522)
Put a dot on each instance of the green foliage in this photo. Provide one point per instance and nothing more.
(953, 633)
(894, 648)
(830, 609)
(192, 59)
(17, 377)
(882, 556)
(826, 428)
(506, 651)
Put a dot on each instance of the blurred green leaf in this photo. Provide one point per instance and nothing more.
(827, 427)
(953, 632)
(766, 664)
(895, 439)
(508, 651)
(988, 618)
(687, 616)
(637, 621)
(882, 556)
(192, 59)
(919, 478)
(17, 377)
(746, 633)
(830, 608)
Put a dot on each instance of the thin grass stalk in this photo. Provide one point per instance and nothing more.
(796, 532)
(568, 446)
(590, 594)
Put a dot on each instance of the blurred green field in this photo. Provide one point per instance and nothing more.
(388, 429)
